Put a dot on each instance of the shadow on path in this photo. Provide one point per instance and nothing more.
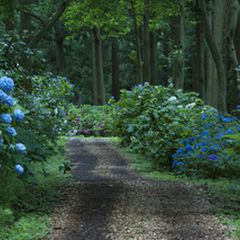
(108, 201)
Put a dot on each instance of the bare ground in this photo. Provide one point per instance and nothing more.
(108, 201)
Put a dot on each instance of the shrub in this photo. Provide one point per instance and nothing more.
(90, 120)
(172, 128)
(12, 152)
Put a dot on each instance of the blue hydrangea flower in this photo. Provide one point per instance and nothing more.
(118, 108)
(6, 84)
(18, 115)
(180, 151)
(205, 133)
(9, 101)
(6, 118)
(212, 157)
(176, 163)
(184, 141)
(219, 135)
(227, 120)
(20, 147)
(11, 131)
(19, 169)
(192, 139)
(4, 98)
(203, 149)
(188, 148)
(1, 141)
(204, 116)
(229, 131)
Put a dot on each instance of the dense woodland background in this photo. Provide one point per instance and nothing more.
(104, 46)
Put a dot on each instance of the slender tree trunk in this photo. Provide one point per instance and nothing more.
(98, 88)
(237, 38)
(216, 53)
(179, 61)
(146, 43)
(153, 59)
(138, 43)
(25, 28)
(232, 27)
(60, 34)
(8, 17)
(115, 70)
(200, 85)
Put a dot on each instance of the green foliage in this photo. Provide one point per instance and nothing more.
(46, 115)
(90, 120)
(31, 227)
(24, 204)
(176, 131)
(109, 16)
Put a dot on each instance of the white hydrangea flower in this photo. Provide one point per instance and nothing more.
(172, 99)
(191, 105)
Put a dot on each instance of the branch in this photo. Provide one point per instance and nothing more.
(33, 15)
(36, 39)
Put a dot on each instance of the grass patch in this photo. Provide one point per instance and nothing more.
(224, 192)
(24, 206)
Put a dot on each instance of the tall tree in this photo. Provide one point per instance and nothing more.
(214, 43)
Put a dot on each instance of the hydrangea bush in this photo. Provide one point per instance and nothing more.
(176, 131)
(90, 120)
(47, 117)
(11, 151)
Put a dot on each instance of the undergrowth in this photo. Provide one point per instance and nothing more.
(225, 193)
(24, 206)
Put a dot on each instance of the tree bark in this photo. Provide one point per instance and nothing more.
(98, 83)
(115, 70)
(25, 28)
(216, 53)
(60, 34)
(8, 16)
(232, 28)
(138, 43)
(153, 59)
(146, 43)
(200, 82)
(179, 59)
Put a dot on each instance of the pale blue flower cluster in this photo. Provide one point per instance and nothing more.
(6, 86)
(18, 115)
(11, 131)
(20, 147)
(6, 118)
(19, 169)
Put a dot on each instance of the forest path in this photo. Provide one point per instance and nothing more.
(108, 201)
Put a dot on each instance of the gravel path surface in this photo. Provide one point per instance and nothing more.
(108, 201)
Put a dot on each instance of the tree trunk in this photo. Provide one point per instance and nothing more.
(8, 17)
(200, 82)
(146, 43)
(60, 34)
(138, 44)
(115, 70)
(216, 53)
(153, 59)
(179, 59)
(98, 83)
(232, 27)
(25, 28)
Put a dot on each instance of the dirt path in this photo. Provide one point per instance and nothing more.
(108, 201)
